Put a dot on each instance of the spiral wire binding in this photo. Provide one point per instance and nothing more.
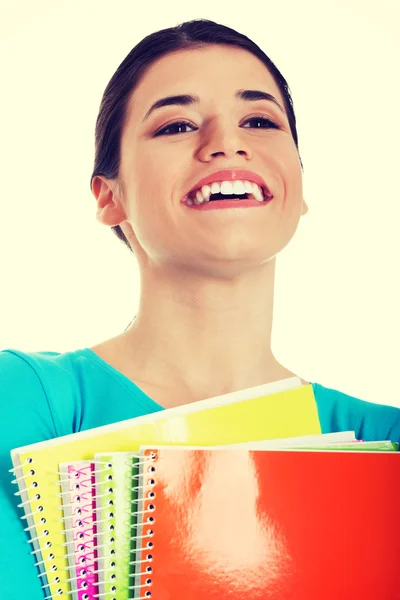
(36, 506)
(107, 556)
(79, 530)
(21, 481)
(108, 549)
(147, 505)
(104, 467)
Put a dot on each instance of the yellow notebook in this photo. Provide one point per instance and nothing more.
(280, 409)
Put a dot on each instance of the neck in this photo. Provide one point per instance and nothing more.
(205, 338)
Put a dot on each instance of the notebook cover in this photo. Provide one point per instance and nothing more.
(283, 409)
(116, 480)
(114, 544)
(79, 514)
(271, 525)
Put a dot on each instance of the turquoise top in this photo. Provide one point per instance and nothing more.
(49, 394)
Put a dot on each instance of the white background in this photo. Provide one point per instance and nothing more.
(67, 282)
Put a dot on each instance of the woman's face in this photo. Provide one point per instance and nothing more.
(162, 161)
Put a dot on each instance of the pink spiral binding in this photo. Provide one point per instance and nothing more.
(84, 530)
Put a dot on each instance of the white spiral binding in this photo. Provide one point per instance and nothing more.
(106, 560)
(147, 505)
(41, 529)
(45, 531)
(86, 498)
(104, 467)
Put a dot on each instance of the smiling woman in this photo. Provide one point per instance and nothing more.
(193, 35)
(197, 170)
(190, 123)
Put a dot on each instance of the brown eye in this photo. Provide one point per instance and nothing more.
(180, 124)
(266, 123)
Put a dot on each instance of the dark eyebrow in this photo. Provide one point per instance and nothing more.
(188, 99)
(254, 95)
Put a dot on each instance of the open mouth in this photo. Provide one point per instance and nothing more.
(227, 190)
(233, 197)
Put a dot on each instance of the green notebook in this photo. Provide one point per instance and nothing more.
(115, 503)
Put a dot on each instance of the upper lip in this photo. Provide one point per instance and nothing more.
(231, 175)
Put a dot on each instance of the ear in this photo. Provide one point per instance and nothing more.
(110, 210)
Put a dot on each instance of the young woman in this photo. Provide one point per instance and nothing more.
(197, 170)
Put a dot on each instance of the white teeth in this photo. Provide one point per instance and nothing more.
(257, 193)
(206, 191)
(238, 187)
(248, 186)
(199, 198)
(226, 188)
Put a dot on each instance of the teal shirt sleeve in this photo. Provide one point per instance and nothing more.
(25, 417)
(370, 421)
(44, 395)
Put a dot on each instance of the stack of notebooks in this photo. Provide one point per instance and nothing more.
(235, 497)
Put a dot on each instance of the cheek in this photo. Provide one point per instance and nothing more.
(144, 183)
(149, 186)
(287, 164)
(157, 172)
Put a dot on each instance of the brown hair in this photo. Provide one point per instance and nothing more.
(190, 35)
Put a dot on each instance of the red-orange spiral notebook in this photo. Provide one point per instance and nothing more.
(237, 524)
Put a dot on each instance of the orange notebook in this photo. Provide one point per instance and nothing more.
(232, 524)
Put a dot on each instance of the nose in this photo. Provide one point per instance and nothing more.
(222, 139)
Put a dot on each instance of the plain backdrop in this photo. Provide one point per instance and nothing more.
(67, 282)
